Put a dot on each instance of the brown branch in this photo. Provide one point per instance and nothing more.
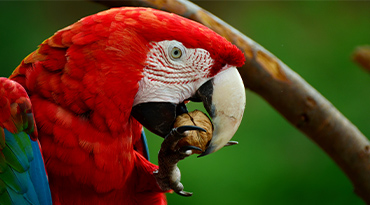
(362, 57)
(288, 93)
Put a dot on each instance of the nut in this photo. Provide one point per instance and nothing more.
(195, 138)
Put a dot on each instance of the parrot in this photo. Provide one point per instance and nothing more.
(95, 84)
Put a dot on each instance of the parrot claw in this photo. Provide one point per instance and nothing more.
(230, 143)
(168, 175)
(181, 130)
(185, 193)
(187, 149)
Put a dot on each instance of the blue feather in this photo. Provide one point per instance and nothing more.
(145, 143)
(24, 175)
(38, 176)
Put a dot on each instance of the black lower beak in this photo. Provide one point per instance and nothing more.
(158, 117)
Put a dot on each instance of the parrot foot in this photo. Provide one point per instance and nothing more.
(168, 175)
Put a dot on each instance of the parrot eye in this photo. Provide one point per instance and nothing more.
(176, 53)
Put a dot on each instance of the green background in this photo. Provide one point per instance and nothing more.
(274, 163)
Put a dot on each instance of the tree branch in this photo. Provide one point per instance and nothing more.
(288, 93)
(361, 56)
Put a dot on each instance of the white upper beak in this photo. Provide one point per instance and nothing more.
(227, 107)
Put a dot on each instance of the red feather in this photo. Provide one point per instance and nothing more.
(16, 109)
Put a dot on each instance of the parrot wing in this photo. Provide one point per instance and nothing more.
(23, 178)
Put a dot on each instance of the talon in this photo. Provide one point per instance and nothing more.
(185, 128)
(187, 148)
(230, 143)
(184, 193)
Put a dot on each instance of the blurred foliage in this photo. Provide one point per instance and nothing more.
(274, 163)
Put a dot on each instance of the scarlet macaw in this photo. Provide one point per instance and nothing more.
(94, 84)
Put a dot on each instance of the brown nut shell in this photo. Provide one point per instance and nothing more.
(195, 138)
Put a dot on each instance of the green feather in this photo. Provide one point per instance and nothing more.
(9, 178)
(15, 153)
(4, 195)
(3, 164)
(16, 199)
(2, 138)
(24, 142)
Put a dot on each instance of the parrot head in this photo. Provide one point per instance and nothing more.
(187, 61)
(150, 63)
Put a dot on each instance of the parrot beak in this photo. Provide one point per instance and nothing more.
(223, 96)
(158, 117)
(224, 99)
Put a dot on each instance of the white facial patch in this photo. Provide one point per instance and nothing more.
(173, 72)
